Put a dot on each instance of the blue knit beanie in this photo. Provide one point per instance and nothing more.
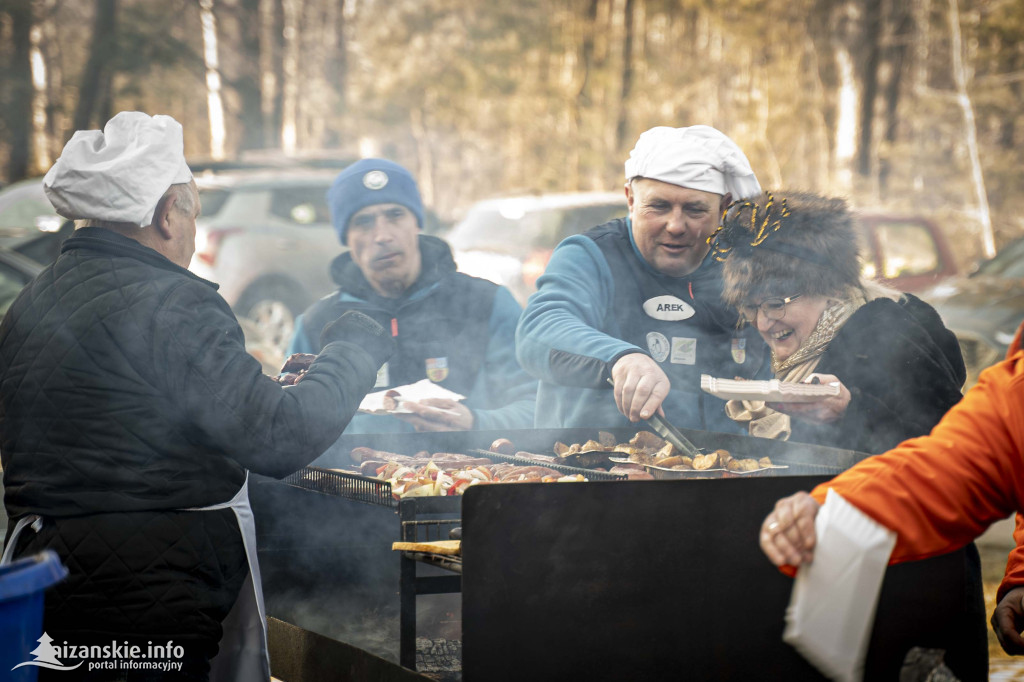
(369, 182)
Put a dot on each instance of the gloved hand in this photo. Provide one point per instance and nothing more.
(361, 330)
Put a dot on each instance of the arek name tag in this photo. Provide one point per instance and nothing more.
(668, 308)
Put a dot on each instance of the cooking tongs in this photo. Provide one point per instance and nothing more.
(673, 435)
(670, 433)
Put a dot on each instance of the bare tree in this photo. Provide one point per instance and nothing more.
(214, 104)
(970, 131)
(19, 117)
(94, 98)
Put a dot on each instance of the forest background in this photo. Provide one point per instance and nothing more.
(913, 106)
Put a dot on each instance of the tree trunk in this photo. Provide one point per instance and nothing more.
(290, 75)
(337, 60)
(51, 47)
(826, 68)
(214, 105)
(268, 67)
(238, 54)
(94, 91)
(898, 58)
(622, 124)
(871, 36)
(19, 121)
(970, 130)
(846, 122)
(40, 105)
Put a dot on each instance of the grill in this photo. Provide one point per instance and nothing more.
(350, 486)
(568, 553)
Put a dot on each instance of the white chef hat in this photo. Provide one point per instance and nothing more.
(118, 173)
(697, 157)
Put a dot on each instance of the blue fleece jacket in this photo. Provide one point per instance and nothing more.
(581, 318)
(466, 322)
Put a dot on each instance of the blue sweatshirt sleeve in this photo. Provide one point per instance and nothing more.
(300, 342)
(504, 395)
(560, 339)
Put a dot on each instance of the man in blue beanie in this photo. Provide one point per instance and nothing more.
(455, 330)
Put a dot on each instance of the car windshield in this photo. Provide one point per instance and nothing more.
(515, 230)
(212, 200)
(1008, 263)
(21, 205)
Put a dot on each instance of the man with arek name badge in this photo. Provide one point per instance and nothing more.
(638, 301)
(453, 330)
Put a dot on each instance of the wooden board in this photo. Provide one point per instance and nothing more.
(452, 547)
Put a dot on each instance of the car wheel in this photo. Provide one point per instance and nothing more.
(272, 310)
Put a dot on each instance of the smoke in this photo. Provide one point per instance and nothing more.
(327, 566)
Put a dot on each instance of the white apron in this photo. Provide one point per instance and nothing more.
(243, 654)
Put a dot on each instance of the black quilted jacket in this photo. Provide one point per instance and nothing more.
(125, 395)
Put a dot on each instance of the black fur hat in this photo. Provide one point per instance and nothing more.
(783, 244)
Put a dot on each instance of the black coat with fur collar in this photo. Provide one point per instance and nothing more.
(903, 368)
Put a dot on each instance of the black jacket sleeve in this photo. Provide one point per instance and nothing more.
(229, 406)
(901, 379)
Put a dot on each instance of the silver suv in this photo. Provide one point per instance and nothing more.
(510, 240)
(266, 238)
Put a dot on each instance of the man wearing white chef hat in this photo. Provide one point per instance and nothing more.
(131, 414)
(637, 300)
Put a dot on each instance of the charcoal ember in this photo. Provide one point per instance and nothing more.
(298, 362)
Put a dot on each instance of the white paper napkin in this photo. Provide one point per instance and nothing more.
(421, 390)
(834, 597)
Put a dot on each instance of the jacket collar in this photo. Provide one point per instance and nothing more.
(110, 242)
(436, 263)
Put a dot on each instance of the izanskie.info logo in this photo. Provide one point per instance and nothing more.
(113, 656)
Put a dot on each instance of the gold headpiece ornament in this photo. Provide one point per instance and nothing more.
(762, 224)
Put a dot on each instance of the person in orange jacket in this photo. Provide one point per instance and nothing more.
(936, 492)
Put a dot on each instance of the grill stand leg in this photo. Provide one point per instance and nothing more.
(407, 615)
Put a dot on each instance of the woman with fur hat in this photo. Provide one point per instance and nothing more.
(792, 268)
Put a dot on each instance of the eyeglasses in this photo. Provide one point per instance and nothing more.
(771, 308)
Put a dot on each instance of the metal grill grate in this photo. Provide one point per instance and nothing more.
(591, 474)
(341, 484)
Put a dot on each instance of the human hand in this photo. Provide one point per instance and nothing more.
(822, 411)
(640, 386)
(787, 534)
(1008, 621)
(437, 414)
(362, 330)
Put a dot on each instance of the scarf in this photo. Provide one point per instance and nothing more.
(764, 422)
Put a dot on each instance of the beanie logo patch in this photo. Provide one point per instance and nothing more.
(668, 308)
(375, 179)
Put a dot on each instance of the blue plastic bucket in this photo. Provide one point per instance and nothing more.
(22, 584)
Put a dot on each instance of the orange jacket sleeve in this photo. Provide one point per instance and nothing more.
(940, 491)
